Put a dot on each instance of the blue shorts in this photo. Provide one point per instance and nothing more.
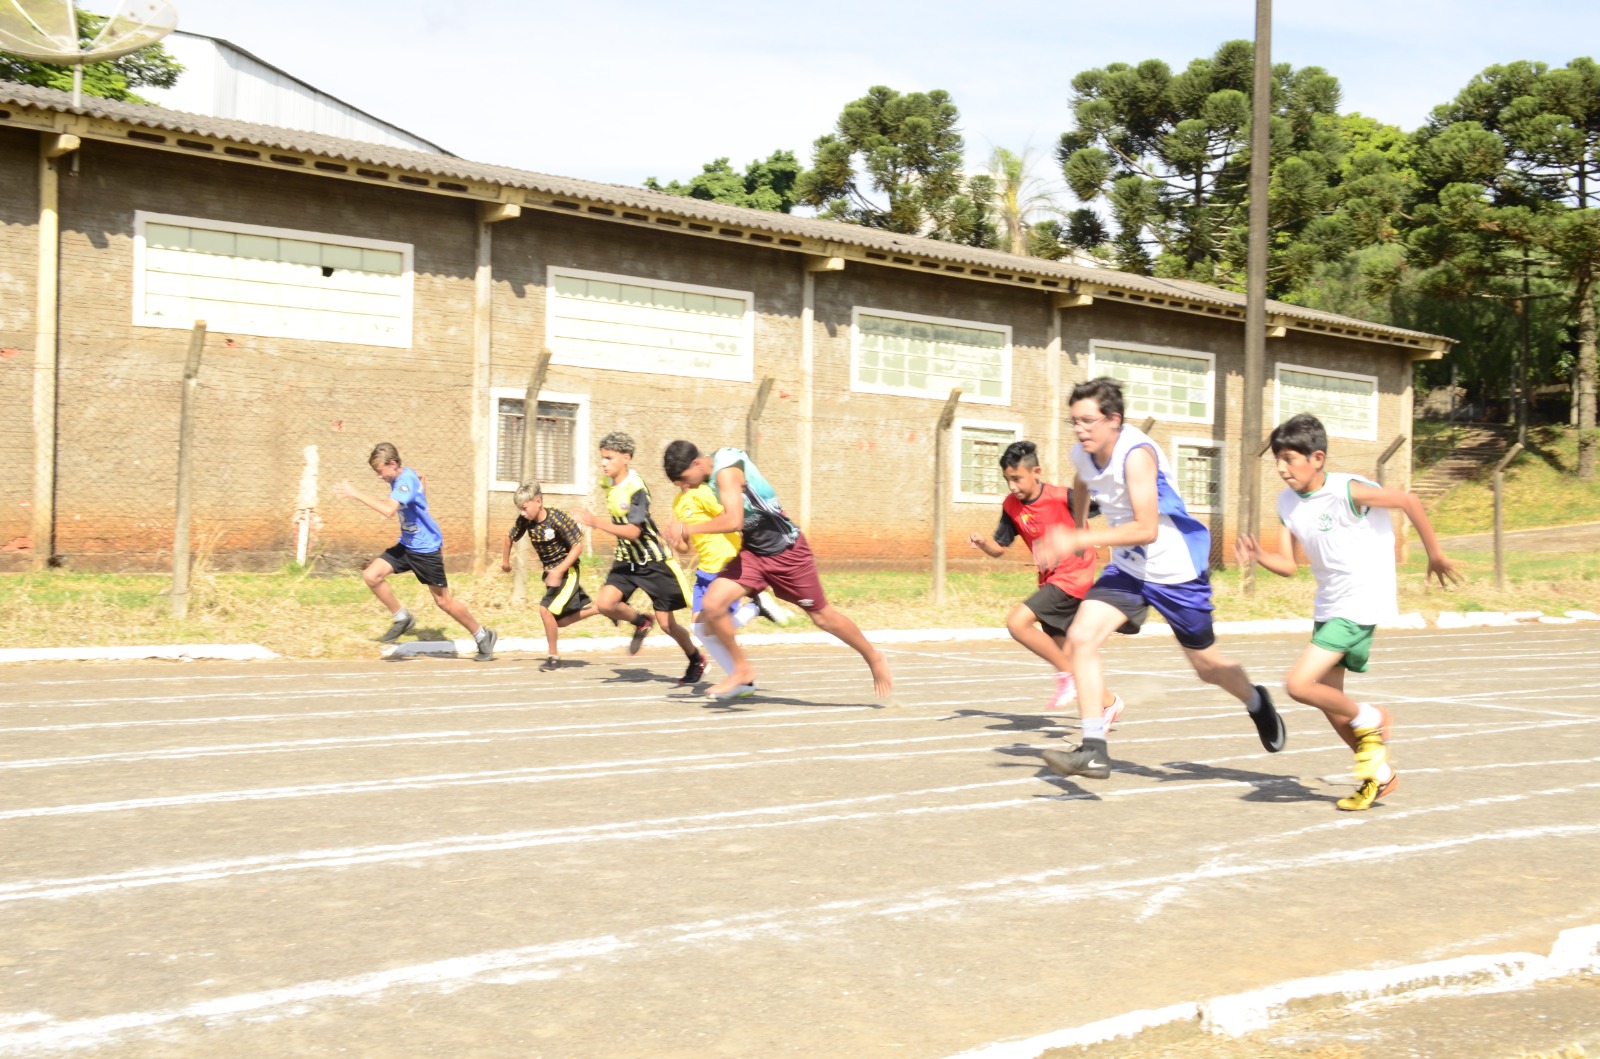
(1186, 605)
(702, 581)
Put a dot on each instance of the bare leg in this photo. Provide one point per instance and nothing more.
(723, 593)
(1095, 622)
(550, 631)
(608, 601)
(1317, 679)
(454, 607)
(374, 576)
(680, 635)
(831, 621)
(1213, 667)
(1021, 623)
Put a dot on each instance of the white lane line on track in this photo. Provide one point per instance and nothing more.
(552, 960)
(591, 770)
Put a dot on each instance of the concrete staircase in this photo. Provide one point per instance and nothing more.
(1480, 446)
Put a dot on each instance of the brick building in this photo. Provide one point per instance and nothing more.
(357, 293)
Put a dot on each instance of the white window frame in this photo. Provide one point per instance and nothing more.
(856, 386)
(1222, 471)
(956, 426)
(1166, 351)
(745, 365)
(141, 218)
(1277, 393)
(580, 440)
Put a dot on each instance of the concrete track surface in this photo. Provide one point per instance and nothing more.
(437, 858)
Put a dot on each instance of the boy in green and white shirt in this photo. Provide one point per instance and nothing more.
(1352, 555)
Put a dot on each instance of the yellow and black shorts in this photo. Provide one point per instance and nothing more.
(662, 580)
(567, 597)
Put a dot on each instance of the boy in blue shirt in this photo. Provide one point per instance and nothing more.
(418, 550)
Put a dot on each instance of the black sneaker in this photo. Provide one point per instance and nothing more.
(486, 645)
(1269, 726)
(641, 629)
(398, 629)
(696, 670)
(1089, 760)
(550, 664)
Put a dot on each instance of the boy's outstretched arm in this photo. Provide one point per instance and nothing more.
(1439, 565)
(505, 556)
(627, 531)
(1247, 549)
(985, 545)
(385, 507)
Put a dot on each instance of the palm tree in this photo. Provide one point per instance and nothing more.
(1020, 196)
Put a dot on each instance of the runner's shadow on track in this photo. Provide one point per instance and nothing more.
(751, 703)
(637, 676)
(1267, 787)
(1013, 722)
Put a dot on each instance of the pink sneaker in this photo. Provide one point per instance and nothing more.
(1113, 711)
(1066, 692)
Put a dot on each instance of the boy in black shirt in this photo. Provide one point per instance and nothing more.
(558, 541)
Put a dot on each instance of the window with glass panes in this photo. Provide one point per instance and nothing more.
(1346, 404)
(1167, 384)
(924, 357)
(1199, 470)
(981, 448)
(603, 321)
(554, 434)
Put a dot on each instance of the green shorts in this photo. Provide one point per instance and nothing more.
(1346, 637)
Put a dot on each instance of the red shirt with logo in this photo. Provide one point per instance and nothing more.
(1030, 521)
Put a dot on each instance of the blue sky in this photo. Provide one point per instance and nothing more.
(617, 90)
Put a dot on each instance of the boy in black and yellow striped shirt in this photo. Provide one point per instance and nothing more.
(558, 542)
(643, 559)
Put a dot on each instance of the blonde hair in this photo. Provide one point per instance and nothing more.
(525, 492)
(383, 452)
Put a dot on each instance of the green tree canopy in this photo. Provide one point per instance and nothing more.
(764, 185)
(151, 65)
(894, 161)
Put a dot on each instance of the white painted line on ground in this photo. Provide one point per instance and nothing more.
(1575, 951)
(549, 961)
(236, 652)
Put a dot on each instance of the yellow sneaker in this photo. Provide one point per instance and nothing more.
(1368, 793)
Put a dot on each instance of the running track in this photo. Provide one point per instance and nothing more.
(436, 858)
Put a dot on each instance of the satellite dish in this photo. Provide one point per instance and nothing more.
(47, 31)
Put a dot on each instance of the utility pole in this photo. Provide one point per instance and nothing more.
(1255, 311)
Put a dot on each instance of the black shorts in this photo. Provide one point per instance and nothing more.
(662, 581)
(427, 566)
(1054, 608)
(566, 598)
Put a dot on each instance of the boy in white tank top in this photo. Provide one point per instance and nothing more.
(1352, 554)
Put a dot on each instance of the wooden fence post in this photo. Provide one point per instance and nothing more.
(521, 557)
(751, 430)
(941, 492)
(1499, 488)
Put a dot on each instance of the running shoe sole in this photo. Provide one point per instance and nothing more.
(1114, 711)
(397, 630)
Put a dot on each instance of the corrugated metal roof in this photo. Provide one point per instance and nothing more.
(625, 197)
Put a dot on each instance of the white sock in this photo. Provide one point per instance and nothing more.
(402, 615)
(745, 613)
(1367, 716)
(708, 639)
(1094, 728)
(483, 630)
(1255, 701)
(1385, 774)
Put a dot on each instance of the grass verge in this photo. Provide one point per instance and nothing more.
(301, 615)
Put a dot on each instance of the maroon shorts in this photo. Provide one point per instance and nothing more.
(791, 574)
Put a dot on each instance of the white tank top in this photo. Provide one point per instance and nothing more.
(1182, 548)
(1351, 550)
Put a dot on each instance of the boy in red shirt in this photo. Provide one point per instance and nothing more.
(1040, 622)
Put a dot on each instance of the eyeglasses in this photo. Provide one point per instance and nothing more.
(1087, 422)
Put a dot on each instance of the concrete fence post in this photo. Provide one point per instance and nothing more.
(179, 596)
